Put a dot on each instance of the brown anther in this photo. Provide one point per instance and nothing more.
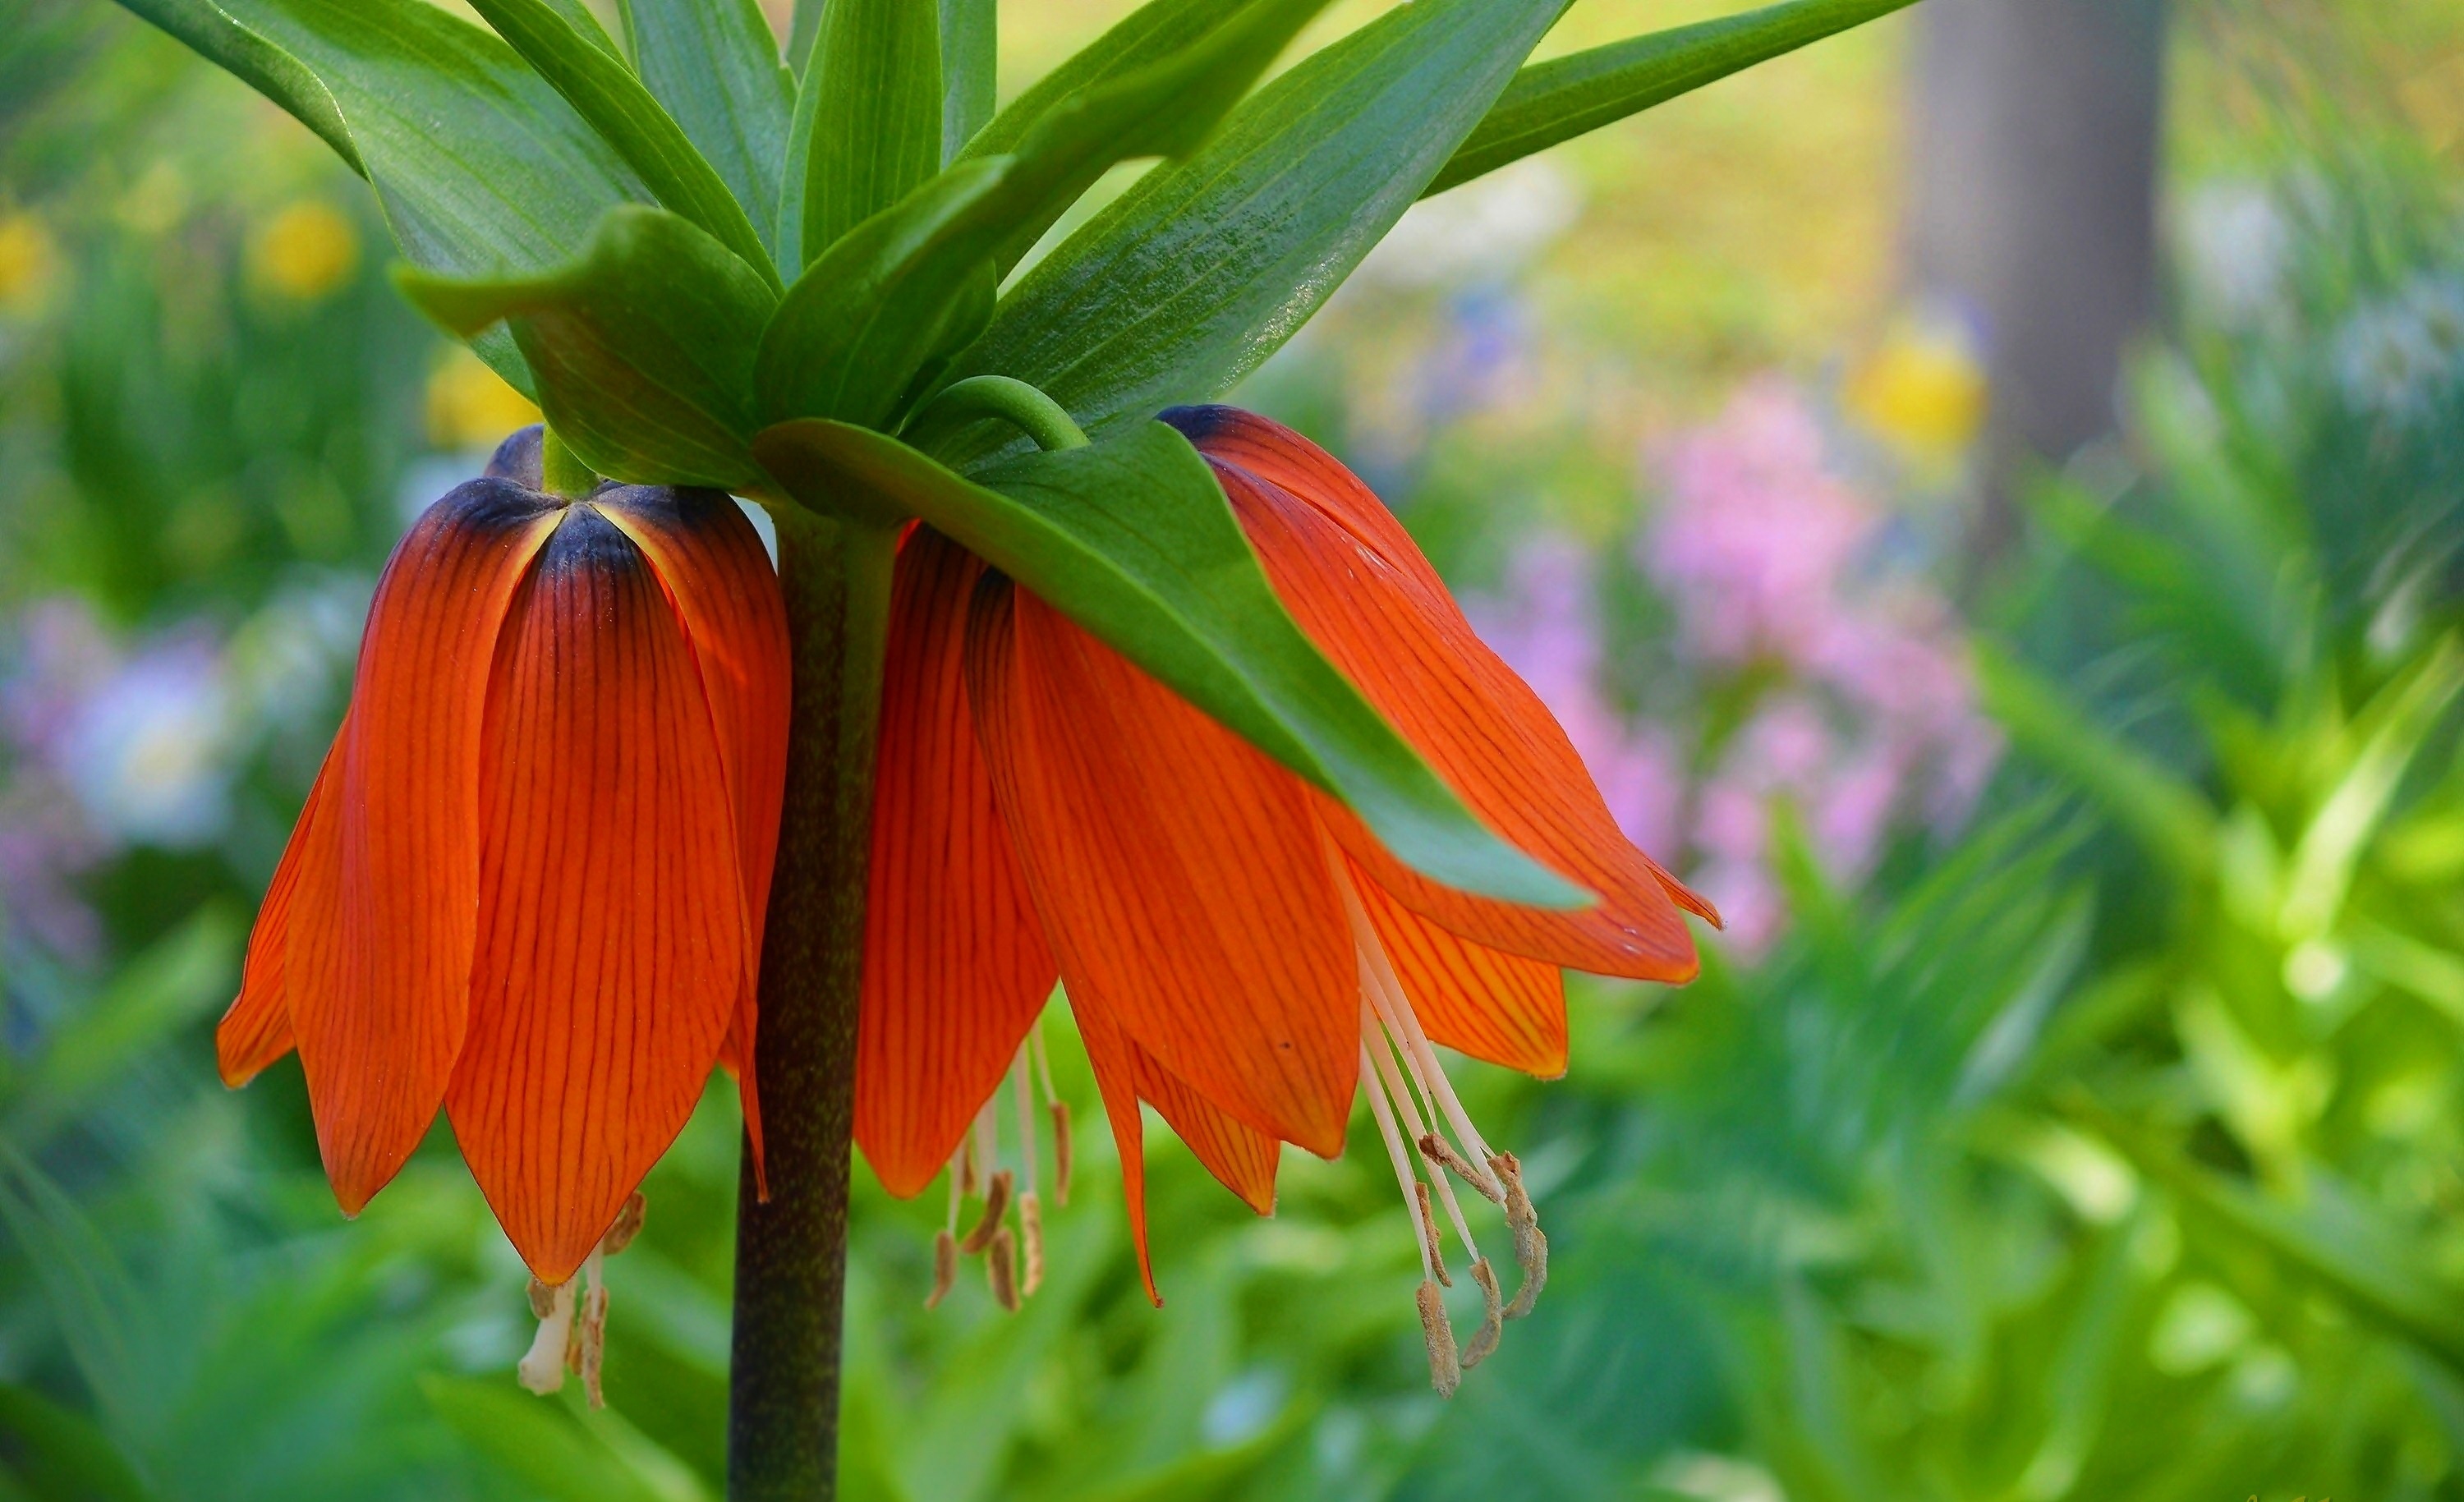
(593, 1326)
(996, 1206)
(1429, 1233)
(1492, 1316)
(1437, 1150)
(627, 1226)
(1001, 1268)
(1030, 1225)
(1061, 1152)
(1530, 1246)
(945, 1267)
(1445, 1373)
(1533, 1253)
(573, 1334)
(970, 1182)
(542, 1300)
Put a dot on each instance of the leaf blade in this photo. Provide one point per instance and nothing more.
(606, 93)
(715, 68)
(1204, 268)
(1132, 539)
(873, 133)
(643, 347)
(1556, 100)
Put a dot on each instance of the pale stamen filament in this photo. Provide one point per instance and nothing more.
(945, 1241)
(1059, 1108)
(1382, 1051)
(1030, 1211)
(1397, 1153)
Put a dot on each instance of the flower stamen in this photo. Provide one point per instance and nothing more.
(1396, 1049)
(572, 1315)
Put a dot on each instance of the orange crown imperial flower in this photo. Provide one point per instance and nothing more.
(530, 881)
(1238, 950)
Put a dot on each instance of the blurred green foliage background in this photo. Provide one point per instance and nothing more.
(2076, 1108)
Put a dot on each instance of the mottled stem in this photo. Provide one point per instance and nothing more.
(791, 1251)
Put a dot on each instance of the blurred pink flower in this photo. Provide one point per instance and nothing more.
(1546, 625)
(1860, 710)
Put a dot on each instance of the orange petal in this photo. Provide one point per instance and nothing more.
(256, 1030)
(1366, 594)
(721, 582)
(955, 968)
(382, 922)
(1479, 1001)
(1241, 1160)
(1175, 870)
(1111, 1054)
(610, 955)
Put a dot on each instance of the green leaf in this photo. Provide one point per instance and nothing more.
(1204, 268)
(872, 128)
(865, 318)
(1132, 539)
(970, 62)
(172, 982)
(541, 1445)
(1565, 96)
(2167, 816)
(1163, 109)
(860, 332)
(714, 67)
(643, 347)
(246, 55)
(613, 100)
(59, 1452)
(480, 166)
(2336, 1240)
(1145, 36)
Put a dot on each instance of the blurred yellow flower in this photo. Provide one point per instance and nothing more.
(1922, 391)
(30, 266)
(469, 406)
(304, 251)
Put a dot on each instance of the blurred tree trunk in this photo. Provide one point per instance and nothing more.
(2033, 173)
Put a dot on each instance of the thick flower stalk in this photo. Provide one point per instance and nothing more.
(530, 881)
(1238, 950)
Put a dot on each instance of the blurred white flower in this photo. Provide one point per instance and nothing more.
(286, 663)
(2395, 356)
(2235, 242)
(146, 755)
(1485, 231)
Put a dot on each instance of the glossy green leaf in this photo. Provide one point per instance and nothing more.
(865, 318)
(714, 66)
(1132, 539)
(480, 166)
(59, 1452)
(1565, 96)
(1137, 108)
(606, 93)
(643, 347)
(870, 114)
(970, 66)
(1204, 268)
(910, 286)
(1147, 35)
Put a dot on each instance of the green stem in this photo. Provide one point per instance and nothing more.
(562, 471)
(1013, 400)
(791, 1249)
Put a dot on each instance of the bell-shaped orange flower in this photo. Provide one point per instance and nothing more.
(1239, 951)
(529, 882)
